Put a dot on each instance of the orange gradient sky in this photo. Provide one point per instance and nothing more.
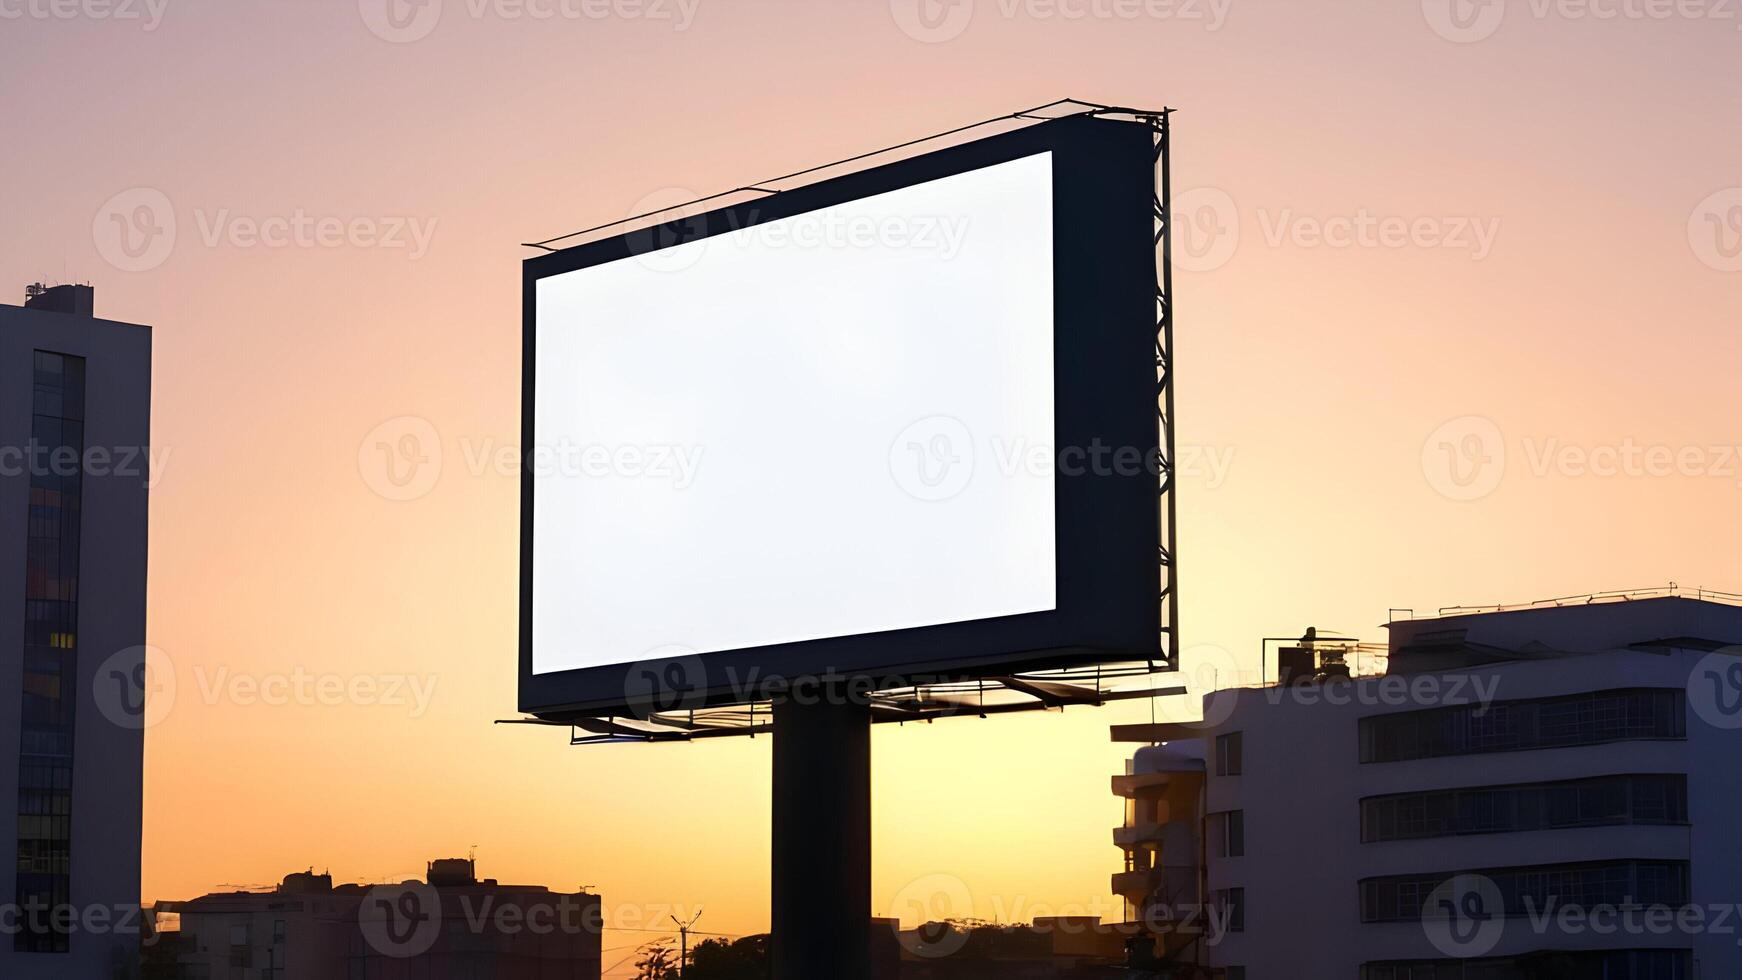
(1597, 309)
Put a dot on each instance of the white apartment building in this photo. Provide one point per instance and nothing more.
(1541, 792)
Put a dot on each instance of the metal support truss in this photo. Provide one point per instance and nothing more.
(1168, 546)
(975, 698)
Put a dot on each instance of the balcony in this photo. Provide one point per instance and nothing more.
(1139, 833)
(1137, 885)
(1129, 786)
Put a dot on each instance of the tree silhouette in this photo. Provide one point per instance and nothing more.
(658, 961)
(720, 959)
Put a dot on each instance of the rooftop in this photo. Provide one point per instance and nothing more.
(1671, 591)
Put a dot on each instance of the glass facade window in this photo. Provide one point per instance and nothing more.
(1607, 964)
(1510, 726)
(1401, 898)
(50, 661)
(1603, 801)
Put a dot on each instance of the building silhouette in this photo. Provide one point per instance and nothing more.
(75, 411)
(1546, 791)
(1162, 787)
(450, 926)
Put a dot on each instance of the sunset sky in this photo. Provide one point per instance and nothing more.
(1543, 271)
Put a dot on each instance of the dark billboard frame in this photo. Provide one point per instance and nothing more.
(1110, 588)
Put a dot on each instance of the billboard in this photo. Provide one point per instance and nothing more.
(899, 424)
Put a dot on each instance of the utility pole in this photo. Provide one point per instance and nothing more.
(683, 932)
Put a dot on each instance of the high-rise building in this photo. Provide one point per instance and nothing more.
(75, 425)
(1540, 791)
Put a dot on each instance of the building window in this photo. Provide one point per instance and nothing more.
(1231, 903)
(1510, 726)
(1232, 825)
(1610, 964)
(1230, 753)
(50, 655)
(1604, 801)
(1531, 890)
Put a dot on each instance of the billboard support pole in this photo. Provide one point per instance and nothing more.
(821, 856)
